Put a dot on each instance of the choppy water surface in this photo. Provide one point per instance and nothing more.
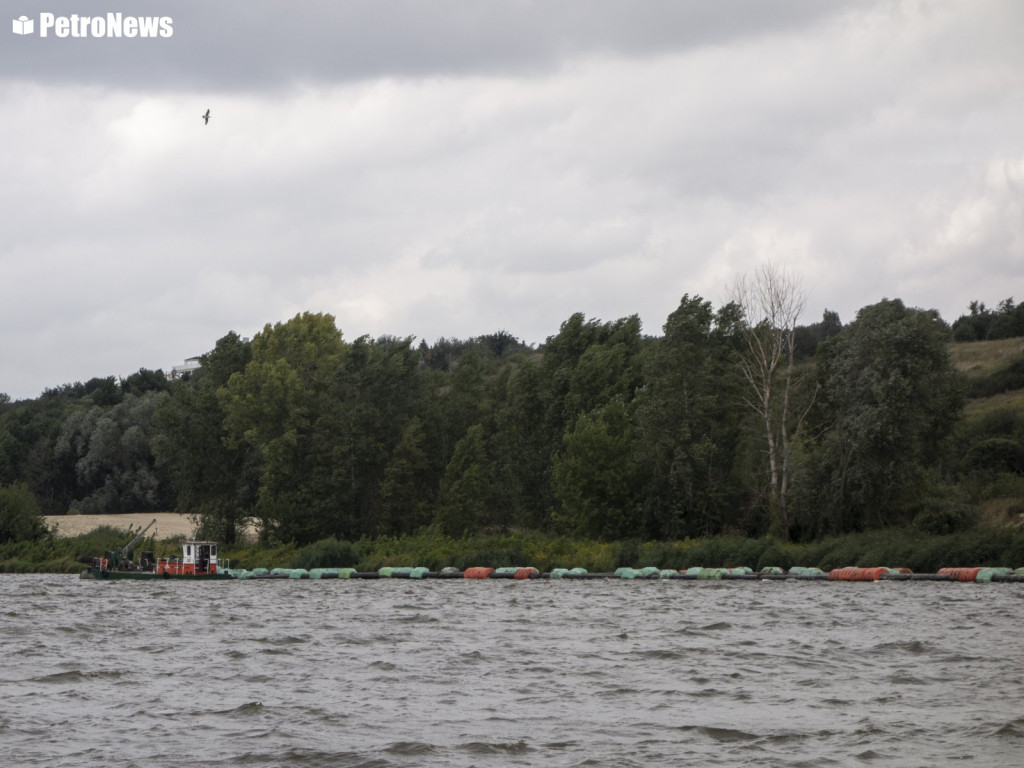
(468, 673)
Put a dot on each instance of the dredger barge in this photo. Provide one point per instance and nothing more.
(199, 562)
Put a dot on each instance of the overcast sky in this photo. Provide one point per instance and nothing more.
(440, 168)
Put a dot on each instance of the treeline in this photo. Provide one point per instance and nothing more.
(601, 433)
(1005, 322)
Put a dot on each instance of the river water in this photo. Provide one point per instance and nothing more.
(337, 674)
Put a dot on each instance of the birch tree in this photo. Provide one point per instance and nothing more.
(772, 300)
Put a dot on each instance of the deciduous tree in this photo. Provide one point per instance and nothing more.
(213, 480)
(772, 300)
(20, 517)
(890, 397)
(687, 424)
(109, 447)
(276, 405)
(595, 478)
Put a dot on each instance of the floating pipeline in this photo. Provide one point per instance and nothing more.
(977, 575)
(884, 574)
(983, 575)
(568, 573)
(858, 574)
(508, 572)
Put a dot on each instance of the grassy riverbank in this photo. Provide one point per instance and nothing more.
(981, 546)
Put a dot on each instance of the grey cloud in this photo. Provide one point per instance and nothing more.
(430, 168)
(258, 44)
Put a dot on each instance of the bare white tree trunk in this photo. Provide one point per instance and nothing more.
(772, 300)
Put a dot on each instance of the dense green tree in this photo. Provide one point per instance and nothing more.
(145, 380)
(276, 405)
(584, 367)
(28, 432)
(444, 354)
(890, 398)
(472, 393)
(688, 423)
(522, 445)
(1005, 322)
(973, 327)
(20, 518)
(8, 452)
(113, 460)
(588, 363)
(104, 391)
(808, 337)
(1008, 321)
(501, 344)
(595, 478)
(464, 397)
(404, 505)
(213, 479)
(469, 500)
(376, 392)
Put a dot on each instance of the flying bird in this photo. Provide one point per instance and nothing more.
(206, 117)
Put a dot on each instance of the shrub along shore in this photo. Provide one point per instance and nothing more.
(431, 549)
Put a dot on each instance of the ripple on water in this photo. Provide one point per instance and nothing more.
(449, 674)
(1011, 730)
(79, 675)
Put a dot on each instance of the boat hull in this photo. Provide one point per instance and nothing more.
(99, 575)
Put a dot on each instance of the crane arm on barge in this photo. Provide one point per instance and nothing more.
(123, 557)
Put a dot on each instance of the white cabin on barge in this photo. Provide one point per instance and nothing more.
(197, 558)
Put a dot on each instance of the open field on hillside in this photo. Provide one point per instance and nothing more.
(1004, 400)
(977, 358)
(168, 525)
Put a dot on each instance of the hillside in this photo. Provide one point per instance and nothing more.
(993, 373)
(981, 358)
(168, 525)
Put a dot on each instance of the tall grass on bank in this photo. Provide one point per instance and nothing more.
(980, 546)
(62, 555)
